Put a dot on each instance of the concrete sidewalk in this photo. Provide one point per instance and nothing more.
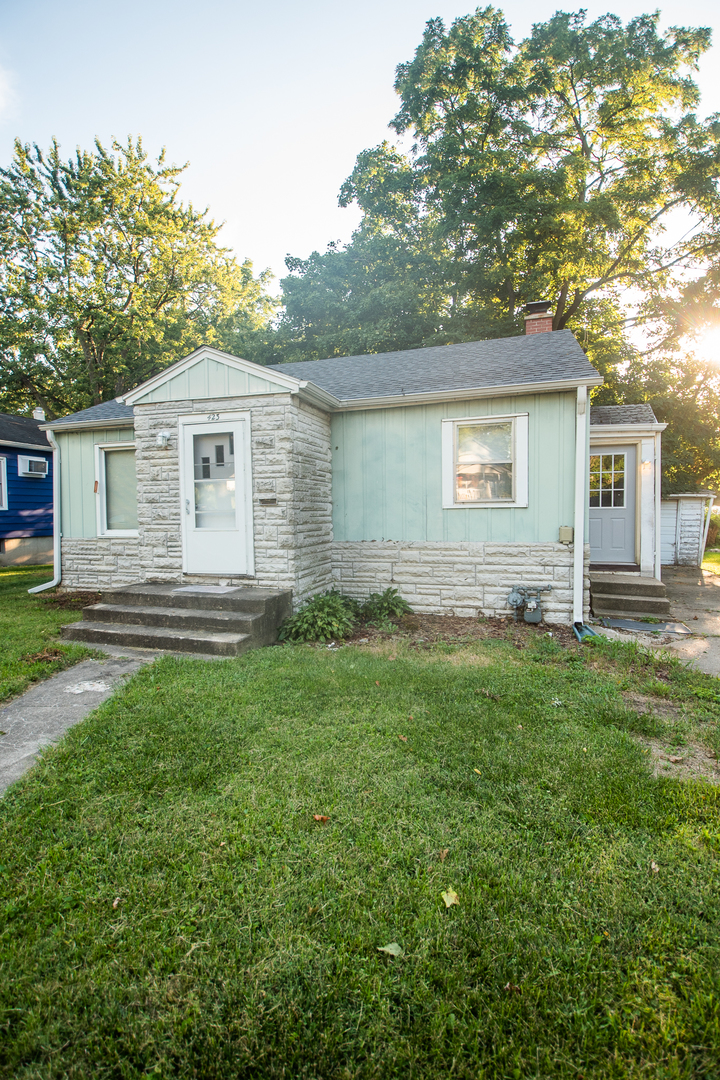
(694, 596)
(44, 713)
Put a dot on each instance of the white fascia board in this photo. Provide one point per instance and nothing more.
(83, 425)
(315, 395)
(47, 449)
(612, 431)
(432, 397)
(287, 382)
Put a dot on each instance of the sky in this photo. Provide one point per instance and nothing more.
(268, 103)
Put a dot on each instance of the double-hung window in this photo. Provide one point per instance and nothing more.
(485, 461)
(116, 489)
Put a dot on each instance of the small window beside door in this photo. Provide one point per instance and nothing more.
(607, 480)
(116, 490)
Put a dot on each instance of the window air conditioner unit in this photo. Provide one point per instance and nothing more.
(32, 466)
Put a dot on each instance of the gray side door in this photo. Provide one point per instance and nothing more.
(612, 504)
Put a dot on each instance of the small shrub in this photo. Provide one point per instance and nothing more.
(326, 617)
(383, 607)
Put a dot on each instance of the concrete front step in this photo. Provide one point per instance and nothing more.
(239, 622)
(206, 597)
(625, 585)
(213, 643)
(219, 621)
(622, 606)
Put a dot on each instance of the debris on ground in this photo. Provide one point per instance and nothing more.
(691, 761)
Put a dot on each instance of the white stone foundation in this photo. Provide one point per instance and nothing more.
(467, 579)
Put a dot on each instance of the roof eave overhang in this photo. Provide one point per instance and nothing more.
(597, 431)
(84, 425)
(431, 397)
(25, 445)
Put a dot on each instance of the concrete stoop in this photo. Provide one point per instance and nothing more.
(216, 620)
(623, 596)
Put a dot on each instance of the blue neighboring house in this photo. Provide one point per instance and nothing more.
(26, 491)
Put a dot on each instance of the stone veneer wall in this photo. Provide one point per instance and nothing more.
(291, 463)
(460, 578)
(96, 562)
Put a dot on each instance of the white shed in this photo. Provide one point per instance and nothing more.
(683, 528)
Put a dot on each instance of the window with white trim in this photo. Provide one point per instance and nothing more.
(485, 461)
(116, 489)
(3, 484)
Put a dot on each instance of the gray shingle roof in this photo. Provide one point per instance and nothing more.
(550, 357)
(107, 410)
(21, 429)
(621, 414)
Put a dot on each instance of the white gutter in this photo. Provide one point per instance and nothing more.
(581, 468)
(57, 569)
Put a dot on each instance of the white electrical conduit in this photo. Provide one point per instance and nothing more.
(581, 468)
(57, 570)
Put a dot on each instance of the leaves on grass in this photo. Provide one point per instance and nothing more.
(675, 759)
(444, 854)
(450, 897)
(477, 771)
(488, 694)
(321, 817)
(403, 737)
(377, 683)
(116, 902)
(46, 656)
(654, 867)
(393, 949)
(512, 988)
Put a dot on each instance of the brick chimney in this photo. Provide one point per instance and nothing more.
(538, 317)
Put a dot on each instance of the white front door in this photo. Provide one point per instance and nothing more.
(216, 494)
(612, 505)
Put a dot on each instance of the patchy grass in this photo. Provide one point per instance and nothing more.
(29, 627)
(711, 561)
(172, 907)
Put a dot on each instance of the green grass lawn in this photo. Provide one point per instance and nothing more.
(171, 907)
(29, 626)
(711, 561)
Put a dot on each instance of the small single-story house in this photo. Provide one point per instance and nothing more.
(452, 472)
(26, 491)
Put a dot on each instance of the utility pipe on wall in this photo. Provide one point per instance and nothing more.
(57, 569)
(581, 470)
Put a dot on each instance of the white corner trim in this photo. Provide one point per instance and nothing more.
(3, 483)
(287, 382)
(521, 430)
(581, 486)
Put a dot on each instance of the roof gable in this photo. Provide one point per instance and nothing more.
(210, 373)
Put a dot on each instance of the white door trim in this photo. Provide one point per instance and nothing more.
(189, 420)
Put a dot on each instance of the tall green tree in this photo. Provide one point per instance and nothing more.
(106, 277)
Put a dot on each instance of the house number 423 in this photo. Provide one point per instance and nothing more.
(213, 416)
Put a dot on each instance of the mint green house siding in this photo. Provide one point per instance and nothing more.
(209, 379)
(387, 474)
(77, 470)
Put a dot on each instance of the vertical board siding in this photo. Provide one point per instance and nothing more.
(77, 469)
(210, 378)
(29, 498)
(387, 473)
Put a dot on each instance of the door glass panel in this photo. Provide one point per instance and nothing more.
(607, 483)
(214, 466)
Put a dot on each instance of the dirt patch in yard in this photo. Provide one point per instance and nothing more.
(688, 762)
(642, 703)
(72, 601)
(424, 631)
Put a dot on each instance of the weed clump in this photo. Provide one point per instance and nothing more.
(331, 616)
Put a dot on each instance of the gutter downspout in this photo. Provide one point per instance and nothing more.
(580, 487)
(658, 506)
(57, 569)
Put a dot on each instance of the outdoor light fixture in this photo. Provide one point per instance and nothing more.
(162, 439)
